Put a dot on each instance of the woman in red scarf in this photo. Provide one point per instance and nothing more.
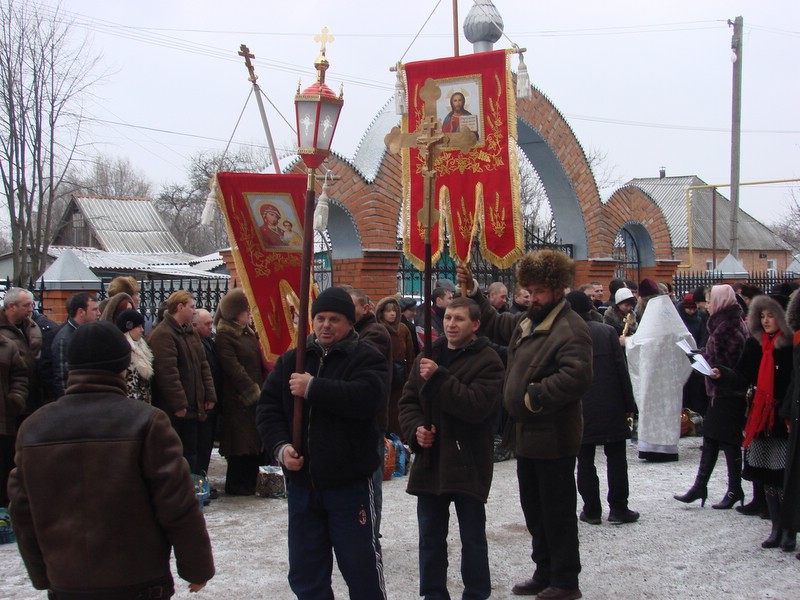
(766, 363)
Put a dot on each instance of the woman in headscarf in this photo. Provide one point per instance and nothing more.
(239, 355)
(766, 363)
(387, 312)
(140, 371)
(724, 419)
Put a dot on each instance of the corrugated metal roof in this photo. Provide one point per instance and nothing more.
(127, 225)
(669, 193)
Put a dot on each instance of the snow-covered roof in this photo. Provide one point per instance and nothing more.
(172, 264)
(371, 149)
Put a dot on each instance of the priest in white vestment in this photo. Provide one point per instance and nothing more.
(658, 370)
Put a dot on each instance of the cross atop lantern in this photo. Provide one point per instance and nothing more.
(318, 110)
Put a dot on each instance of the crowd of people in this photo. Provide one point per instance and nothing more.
(134, 410)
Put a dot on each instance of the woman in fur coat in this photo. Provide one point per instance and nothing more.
(244, 371)
(724, 419)
(766, 363)
(387, 312)
(791, 412)
(140, 372)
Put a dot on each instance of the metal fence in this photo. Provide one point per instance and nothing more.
(685, 283)
(207, 293)
(409, 278)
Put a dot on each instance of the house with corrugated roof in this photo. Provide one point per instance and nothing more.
(125, 236)
(699, 222)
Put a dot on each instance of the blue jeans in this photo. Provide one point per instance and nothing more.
(339, 520)
(433, 515)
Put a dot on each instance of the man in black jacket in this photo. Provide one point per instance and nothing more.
(461, 385)
(329, 477)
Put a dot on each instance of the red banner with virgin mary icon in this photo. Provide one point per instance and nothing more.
(265, 221)
(477, 191)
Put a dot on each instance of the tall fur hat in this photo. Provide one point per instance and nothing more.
(233, 304)
(551, 268)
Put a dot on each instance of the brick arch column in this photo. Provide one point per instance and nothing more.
(631, 204)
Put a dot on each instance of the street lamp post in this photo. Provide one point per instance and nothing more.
(318, 109)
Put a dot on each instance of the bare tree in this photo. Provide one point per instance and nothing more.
(181, 205)
(109, 176)
(788, 226)
(536, 213)
(44, 72)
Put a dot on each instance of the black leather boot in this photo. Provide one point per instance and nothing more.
(757, 505)
(733, 459)
(699, 491)
(788, 540)
(774, 506)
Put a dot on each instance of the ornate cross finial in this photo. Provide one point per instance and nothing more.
(429, 141)
(244, 51)
(323, 39)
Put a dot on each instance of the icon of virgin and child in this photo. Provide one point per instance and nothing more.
(276, 230)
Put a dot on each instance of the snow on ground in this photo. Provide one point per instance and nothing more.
(674, 551)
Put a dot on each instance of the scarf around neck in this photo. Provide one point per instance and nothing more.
(762, 413)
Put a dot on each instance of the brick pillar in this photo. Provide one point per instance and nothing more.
(230, 264)
(601, 270)
(54, 302)
(375, 273)
(663, 271)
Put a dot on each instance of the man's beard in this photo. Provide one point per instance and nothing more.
(539, 313)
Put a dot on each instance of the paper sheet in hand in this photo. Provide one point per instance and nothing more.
(699, 363)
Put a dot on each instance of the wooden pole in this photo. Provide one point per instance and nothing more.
(455, 28)
(302, 325)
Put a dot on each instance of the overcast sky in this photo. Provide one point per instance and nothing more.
(646, 83)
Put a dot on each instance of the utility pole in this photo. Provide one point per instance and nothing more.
(736, 130)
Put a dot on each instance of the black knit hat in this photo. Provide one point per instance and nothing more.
(336, 300)
(99, 345)
(579, 302)
(129, 319)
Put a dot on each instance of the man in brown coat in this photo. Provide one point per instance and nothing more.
(549, 368)
(16, 324)
(13, 391)
(183, 387)
(101, 494)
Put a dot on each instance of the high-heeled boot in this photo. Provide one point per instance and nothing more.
(774, 506)
(733, 459)
(699, 491)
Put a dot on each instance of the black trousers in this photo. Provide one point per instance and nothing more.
(187, 430)
(616, 472)
(6, 464)
(548, 497)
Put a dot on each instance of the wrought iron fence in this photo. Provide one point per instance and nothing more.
(686, 283)
(207, 293)
(409, 278)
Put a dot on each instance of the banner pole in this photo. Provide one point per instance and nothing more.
(302, 325)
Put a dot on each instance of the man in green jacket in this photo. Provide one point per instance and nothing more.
(549, 368)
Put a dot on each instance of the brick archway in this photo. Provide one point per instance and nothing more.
(368, 194)
(631, 205)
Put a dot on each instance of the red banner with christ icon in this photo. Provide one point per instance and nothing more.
(264, 218)
(477, 191)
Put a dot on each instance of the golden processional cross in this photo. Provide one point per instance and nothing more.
(430, 141)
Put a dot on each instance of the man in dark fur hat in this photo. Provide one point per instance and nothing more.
(549, 368)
